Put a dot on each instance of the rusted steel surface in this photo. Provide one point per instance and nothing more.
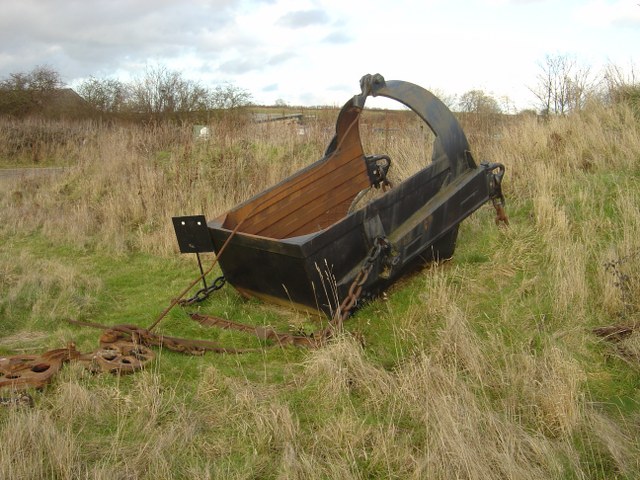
(120, 356)
(143, 336)
(620, 338)
(18, 372)
(300, 244)
(265, 333)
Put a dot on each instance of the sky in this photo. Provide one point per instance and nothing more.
(313, 52)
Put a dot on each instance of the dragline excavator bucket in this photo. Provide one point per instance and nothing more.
(300, 243)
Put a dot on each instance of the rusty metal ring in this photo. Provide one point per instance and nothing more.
(123, 357)
(23, 371)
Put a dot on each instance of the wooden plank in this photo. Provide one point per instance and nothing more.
(322, 218)
(306, 218)
(296, 183)
(287, 194)
(351, 147)
(350, 176)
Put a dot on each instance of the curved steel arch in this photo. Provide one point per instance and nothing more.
(450, 137)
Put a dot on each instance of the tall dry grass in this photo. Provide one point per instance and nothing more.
(124, 183)
(129, 180)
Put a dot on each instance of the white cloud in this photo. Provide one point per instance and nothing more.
(316, 50)
(304, 18)
(601, 14)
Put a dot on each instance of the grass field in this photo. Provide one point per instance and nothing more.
(483, 367)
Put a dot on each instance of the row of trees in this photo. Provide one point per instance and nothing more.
(562, 85)
(159, 92)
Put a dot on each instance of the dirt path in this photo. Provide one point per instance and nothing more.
(18, 173)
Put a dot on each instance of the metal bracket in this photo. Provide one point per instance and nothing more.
(194, 237)
(377, 169)
(495, 179)
(369, 85)
(373, 229)
(192, 234)
(495, 191)
(376, 238)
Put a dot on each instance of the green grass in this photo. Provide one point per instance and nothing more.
(135, 287)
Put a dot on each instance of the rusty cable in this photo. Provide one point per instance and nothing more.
(319, 337)
(139, 335)
(261, 332)
(176, 300)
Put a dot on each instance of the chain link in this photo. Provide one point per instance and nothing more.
(204, 293)
(380, 245)
(501, 214)
(496, 195)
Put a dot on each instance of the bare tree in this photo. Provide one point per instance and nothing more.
(621, 85)
(230, 96)
(24, 93)
(477, 101)
(163, 92)
(563, 85)
(506, 105)
(105, 95)
(450, 100)
(44, 79)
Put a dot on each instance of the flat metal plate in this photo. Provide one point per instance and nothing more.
(192, 234)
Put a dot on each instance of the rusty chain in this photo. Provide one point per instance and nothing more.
(125, 348)
(381, 245)
(204, 293)
(496, 195)
(501, 214)
(266, 333)
(143, 336)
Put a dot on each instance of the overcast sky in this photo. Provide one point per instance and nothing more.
(315, 51)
